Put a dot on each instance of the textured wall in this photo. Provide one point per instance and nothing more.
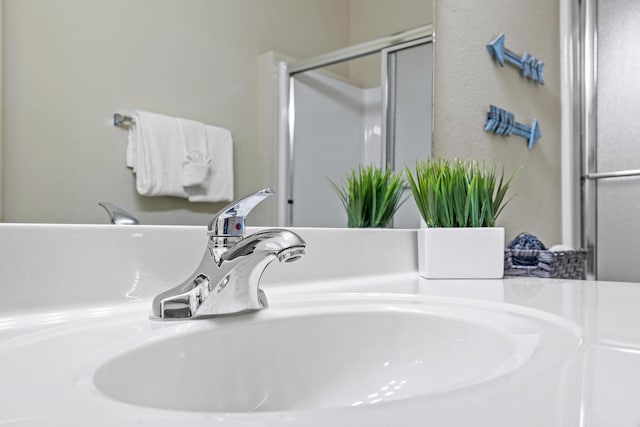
(467, 81)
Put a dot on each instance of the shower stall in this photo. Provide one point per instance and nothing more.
(368, 104)
(611, 153)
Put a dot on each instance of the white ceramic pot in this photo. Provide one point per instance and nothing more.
(461, 253)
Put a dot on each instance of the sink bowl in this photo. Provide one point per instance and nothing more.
(317, 357)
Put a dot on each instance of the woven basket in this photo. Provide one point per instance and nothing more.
(560, 264)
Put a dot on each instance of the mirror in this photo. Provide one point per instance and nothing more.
(69, 65)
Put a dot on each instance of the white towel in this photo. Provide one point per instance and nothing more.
(196, 162)
(156, 152)
(219, 184)
(174, 157)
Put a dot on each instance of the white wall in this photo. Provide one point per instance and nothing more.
(70, 64)
(467, 81)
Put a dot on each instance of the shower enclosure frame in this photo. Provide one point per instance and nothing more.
(588, 103)
(286, 104)
(587, 111)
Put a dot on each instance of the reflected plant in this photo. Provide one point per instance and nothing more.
(459, 193)
(371, 196)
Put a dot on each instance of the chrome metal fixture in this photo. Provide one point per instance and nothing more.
(117, 215)
(227, 281)
(121, 120)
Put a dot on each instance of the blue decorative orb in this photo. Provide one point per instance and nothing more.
(526, 241)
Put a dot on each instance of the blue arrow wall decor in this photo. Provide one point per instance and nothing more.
(503, 123)
(530, 66)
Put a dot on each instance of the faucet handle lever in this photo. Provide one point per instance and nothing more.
(229, 221)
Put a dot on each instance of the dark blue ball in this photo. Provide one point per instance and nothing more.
(526, 241)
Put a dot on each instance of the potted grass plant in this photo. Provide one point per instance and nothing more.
(370, 196)
(459, 201)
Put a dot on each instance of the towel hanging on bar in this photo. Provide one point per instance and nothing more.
(172, 156)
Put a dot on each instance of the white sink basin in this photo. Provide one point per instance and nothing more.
(77, 347)
(318, 357)
(310, 359)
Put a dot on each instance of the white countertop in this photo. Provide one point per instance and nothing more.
(599, 386)
(60, 283)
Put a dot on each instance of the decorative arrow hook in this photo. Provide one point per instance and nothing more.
(530, 66)
(503, 123)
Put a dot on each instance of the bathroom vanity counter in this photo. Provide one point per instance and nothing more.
(602, 383)
(517, 351)
(47, 372)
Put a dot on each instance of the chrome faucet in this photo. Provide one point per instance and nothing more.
(227, 281)
(117, 215)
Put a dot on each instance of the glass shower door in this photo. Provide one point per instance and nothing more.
(612, 180)
(409, 115)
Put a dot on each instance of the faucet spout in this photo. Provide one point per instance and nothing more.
(227, 281)
(241, 268)
(117, 215)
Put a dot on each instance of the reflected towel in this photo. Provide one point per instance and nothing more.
(155, 153)
(178, 157)
(196, 163)
(218, 186)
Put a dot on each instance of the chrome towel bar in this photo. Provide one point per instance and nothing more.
(122, 120)
(617, 174)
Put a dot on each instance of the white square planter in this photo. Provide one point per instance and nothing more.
(461, 253)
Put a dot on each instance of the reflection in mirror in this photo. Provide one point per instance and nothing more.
(337, 127)
(69, 65)
(409, 116)
(370, 116)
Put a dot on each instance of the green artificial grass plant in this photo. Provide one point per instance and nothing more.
(458, 193)
(370, 196)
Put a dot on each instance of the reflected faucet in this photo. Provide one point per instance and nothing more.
(227, 281)
(117, 215)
